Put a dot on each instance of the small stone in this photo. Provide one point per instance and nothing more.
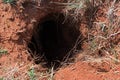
(104, 67)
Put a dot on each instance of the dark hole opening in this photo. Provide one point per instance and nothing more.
(53, 38)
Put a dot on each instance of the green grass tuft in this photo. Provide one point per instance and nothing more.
(31, 74)
(3, 51)
(9, 1)
(1, 78)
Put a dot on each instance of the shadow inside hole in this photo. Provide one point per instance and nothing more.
(53, 39)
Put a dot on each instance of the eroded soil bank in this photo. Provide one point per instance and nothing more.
(83, 42)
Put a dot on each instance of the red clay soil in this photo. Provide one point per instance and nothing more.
(12, 24)
(103, 68)
(89, 71)
(16, 25)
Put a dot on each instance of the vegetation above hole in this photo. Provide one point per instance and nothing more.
(9, 1)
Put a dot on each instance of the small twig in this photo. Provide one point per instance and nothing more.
(114, 34)
(78, 41)
(64, 4)
(111, 56)
(111, 35)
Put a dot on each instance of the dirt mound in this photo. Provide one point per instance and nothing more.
(89, 71)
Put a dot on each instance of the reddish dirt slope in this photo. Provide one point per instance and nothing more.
(84, 71)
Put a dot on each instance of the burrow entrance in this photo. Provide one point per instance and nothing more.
(53, 38)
